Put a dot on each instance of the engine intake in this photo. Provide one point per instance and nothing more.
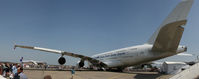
(61, 60)
(81, 63)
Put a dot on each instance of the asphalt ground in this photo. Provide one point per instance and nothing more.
(39, 74)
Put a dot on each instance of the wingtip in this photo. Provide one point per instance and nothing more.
(15, 47)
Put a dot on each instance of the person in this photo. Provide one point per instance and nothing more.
(45, 66)
(14, 69)
(72, 72)
(20, 74)
(7, 70)
(4, 69)
(47, 77)
(1, 72)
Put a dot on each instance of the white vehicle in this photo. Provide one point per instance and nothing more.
(163, 43)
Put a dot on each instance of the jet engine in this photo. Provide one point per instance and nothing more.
(80, 63)
(61, 60)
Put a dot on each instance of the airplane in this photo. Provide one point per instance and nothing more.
(163, 43)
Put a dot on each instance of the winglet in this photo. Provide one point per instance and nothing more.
(15, 47)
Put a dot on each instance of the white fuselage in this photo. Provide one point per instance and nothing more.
(133, 55)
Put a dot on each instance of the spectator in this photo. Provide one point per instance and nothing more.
(20, 74)
(47, 77)
(4, 69)
(45, 66)
(1, 72)
(11, 67)
(7, 70)
(14, 69)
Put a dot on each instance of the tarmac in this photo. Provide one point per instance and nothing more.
(39, 74)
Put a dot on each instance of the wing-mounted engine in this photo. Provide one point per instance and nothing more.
(80, 63)
(61, 60)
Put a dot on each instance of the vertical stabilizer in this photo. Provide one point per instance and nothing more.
(178, 14)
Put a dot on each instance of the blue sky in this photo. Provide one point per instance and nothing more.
(85, 27)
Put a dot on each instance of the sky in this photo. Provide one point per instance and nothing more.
(86, 27)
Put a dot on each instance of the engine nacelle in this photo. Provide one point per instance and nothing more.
(61, 60)
(81, 63)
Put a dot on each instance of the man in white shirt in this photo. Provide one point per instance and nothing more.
(14, 69)
(1, 72)
(20, 74)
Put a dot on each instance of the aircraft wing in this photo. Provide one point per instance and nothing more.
(168, 35)
(91, 60)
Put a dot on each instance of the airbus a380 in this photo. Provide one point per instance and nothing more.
(163, 43)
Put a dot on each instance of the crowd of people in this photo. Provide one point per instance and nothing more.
(15, 71)
(11, 71)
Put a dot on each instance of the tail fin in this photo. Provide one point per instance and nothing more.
(170, 31)
(179, 13)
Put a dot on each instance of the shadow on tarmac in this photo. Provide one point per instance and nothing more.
(147, 76)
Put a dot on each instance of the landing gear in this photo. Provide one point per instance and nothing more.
(101, 69)
(120, 69)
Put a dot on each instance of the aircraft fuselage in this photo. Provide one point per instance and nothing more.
(134, 55)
